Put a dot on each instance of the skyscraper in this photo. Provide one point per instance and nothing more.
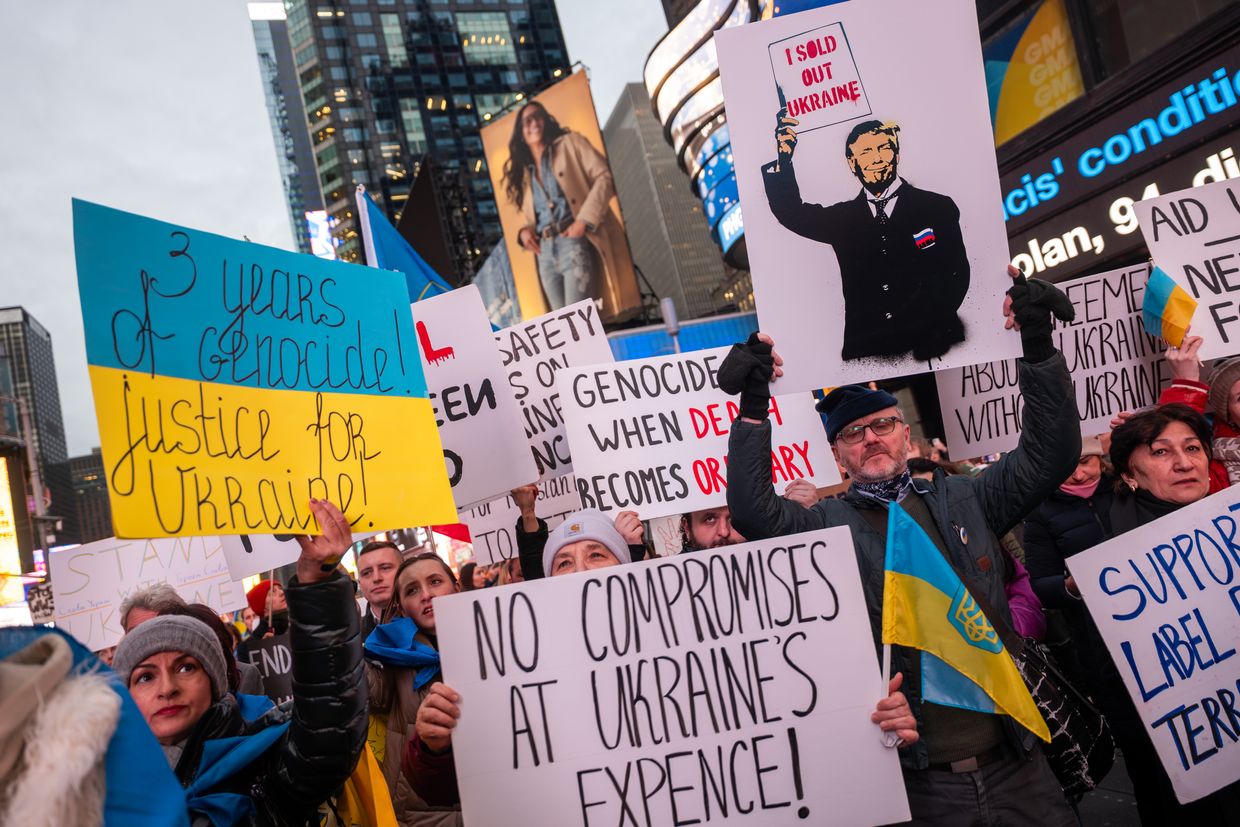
(288, 118)
(667, 228)
(90, 492)
(385, 82)
(29, 347)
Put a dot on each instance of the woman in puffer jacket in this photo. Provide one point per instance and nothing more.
(278, 769)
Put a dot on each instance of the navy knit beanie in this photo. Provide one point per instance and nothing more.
(848, 403)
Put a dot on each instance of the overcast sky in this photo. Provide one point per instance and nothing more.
(156, 107)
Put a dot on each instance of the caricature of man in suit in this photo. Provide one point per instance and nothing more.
(902, 259)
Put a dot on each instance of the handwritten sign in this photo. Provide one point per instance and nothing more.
(274, 660)
(492, 526)
(41, 603)
(817, 78)
(90, 582)
(1115, 366)
(533, 353)
(873, 254)
(476, 409)
(728, 686)
(1166, 598)
(1194, 235)
(651, 435)
(249, 554)
(234, 382)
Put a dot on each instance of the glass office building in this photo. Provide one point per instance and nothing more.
(386, 82)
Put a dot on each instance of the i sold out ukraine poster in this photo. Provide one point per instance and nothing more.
(235, 382)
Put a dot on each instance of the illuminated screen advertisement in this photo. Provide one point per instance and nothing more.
(10, 560)
(319, 226)
(1071, 207)
(1031, 69)
(561, 219)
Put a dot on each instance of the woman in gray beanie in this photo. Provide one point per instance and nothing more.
(278, 769)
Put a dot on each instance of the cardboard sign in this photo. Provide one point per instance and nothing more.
(41, 603)
(492, 526)
(274, 661)
(1166, 598)
(1194, 235)
(533, 353)
(1115, 365)
(90, 582)
(874, 242)
(234, 382)
(484, 445)
(651, 435)
(724, 687)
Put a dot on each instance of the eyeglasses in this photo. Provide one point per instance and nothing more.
(882, 426)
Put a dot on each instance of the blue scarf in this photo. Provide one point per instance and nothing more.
(392, 644)
(223, 758)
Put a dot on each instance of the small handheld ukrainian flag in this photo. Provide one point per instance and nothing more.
(1167, 308)
(926, 607)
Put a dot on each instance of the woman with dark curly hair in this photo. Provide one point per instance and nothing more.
(563, 187)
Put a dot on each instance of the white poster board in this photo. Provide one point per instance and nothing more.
(761, 715)
(533, 352)
(1166, 598)
(1194, 236)
(651, 435)
(847, 297)
(249, 554)
(479, 420)
(1115, 366)
(90, 582)
(492, 526)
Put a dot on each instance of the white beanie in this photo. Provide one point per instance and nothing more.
(588, 524)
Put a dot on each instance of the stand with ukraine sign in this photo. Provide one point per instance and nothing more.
(235, 382)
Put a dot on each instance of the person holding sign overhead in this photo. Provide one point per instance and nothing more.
(275, 770)
(968, 765)
(903, 266)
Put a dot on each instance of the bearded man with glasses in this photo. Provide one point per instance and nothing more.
(968, 767)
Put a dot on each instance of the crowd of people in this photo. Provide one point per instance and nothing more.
(369, 678)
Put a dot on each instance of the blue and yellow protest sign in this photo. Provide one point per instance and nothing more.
(234, 382)
(1167, 310)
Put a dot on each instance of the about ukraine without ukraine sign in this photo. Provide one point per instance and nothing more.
(234, 382)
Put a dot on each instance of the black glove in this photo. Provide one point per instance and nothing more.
(1033, 302)
(747, 370)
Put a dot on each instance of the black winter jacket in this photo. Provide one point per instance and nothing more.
(1062, 526)
(327, 729)
(980, 508)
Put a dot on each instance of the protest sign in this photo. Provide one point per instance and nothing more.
(90, 582)
(40, 602)
(664, 535)
(492, 526)
(234, 382)
(727, 686)
(484, 446)
(651, 435)
(1115, 366)
(880, 252)
(1166, 598)
(533, 353)
(249, 554)
(1194, 236)
(274, 661)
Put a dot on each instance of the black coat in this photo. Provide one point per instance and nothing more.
(898, 296)
(327, 729)
(981, 508)
(1062, 526)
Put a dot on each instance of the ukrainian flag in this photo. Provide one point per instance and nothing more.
(1167, 308)
(926, 607)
